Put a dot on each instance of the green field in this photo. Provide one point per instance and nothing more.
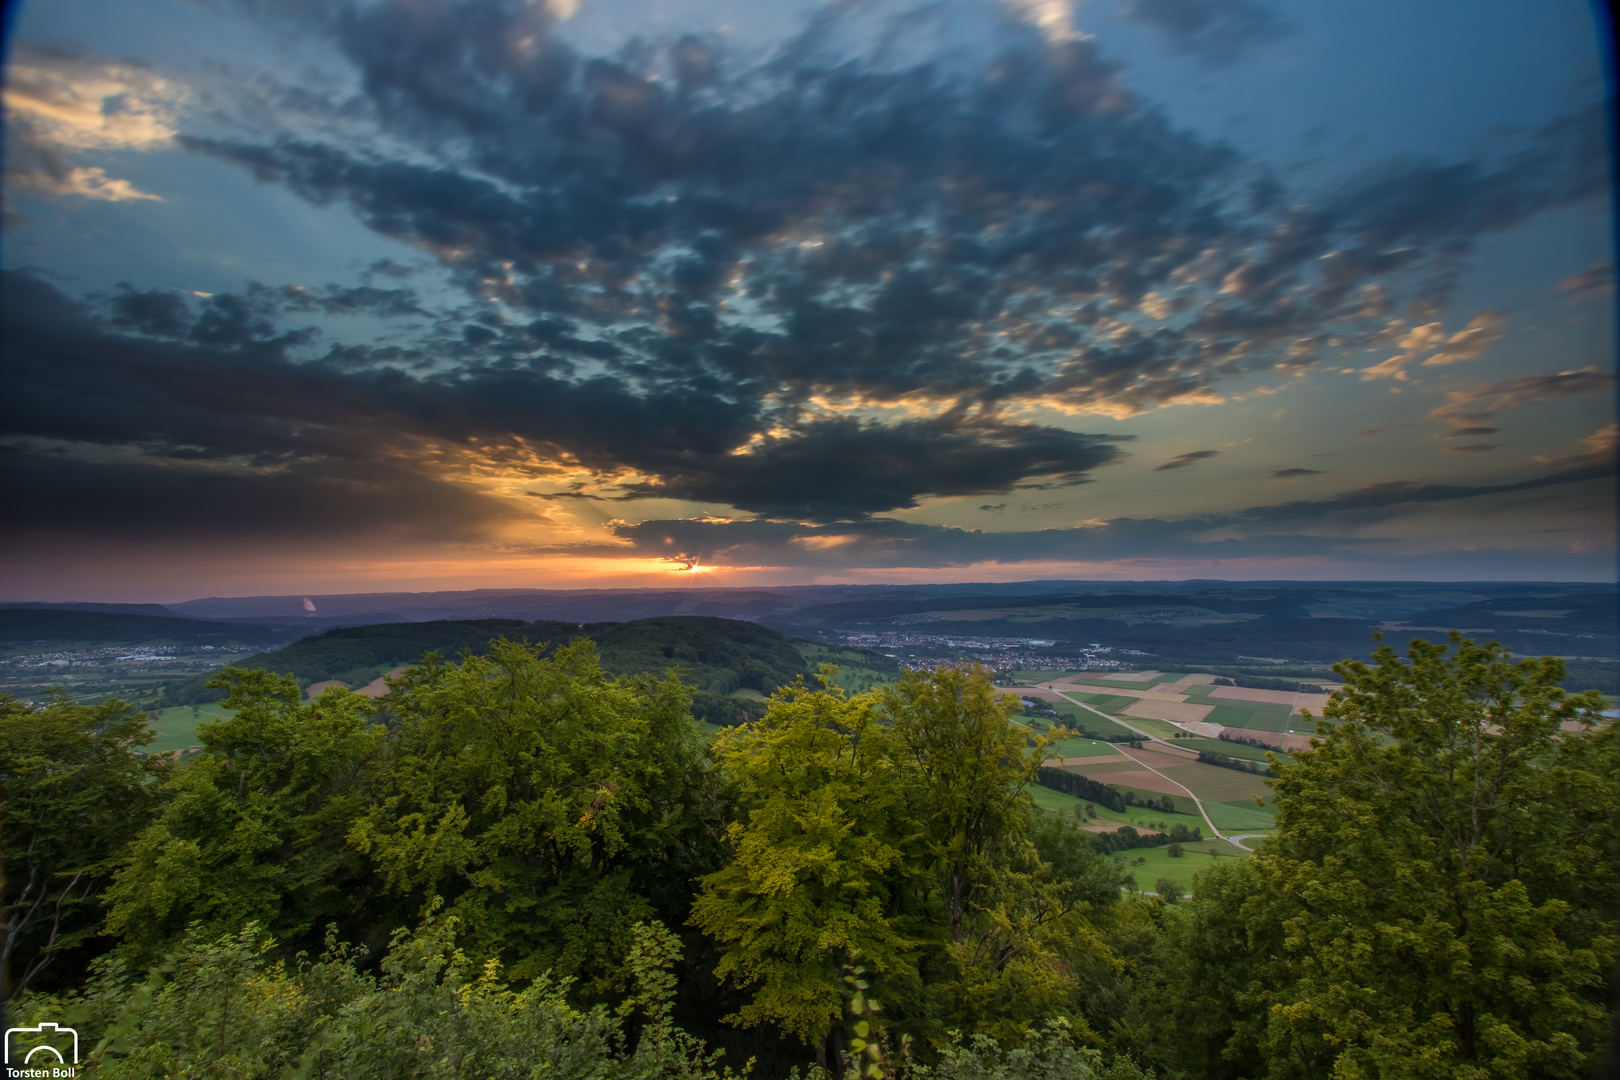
(1185, 807)
(1090, 720)
(1056, 802)
(177, 727)
(1158, 863)
(1241, 751)
(1106, 702)
(1162, 729)
(1238, 816)
(1084, 748)
(1211, 782)
(1135, 684)
(1147, 820)
(1261, 718)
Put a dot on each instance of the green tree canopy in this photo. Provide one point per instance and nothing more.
(551, 807)
(820, 854)
(73, 791)
(1440, 899)
(894, 827)
(253, 829)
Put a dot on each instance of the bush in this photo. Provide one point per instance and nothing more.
(222, 1007)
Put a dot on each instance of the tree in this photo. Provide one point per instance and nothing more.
(253, 828)
(820, 854)
(224, 1007)
(1440, 898)
(551, 807)
(967, 771)
(73, 791)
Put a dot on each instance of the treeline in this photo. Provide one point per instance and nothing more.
(517, 865)
(1114, 798)
(1081, 787)
(715, 656)
(1127, 838)
(1262, 682)
(1211, 757)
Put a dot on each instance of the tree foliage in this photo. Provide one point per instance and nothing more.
(72, 794)
(551, 807)
(253, 830)
(820, 853)
(1440, 899)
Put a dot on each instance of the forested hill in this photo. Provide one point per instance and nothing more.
(719, 656)
(29, 626)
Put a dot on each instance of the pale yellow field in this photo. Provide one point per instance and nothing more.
(1313, 702)
(1177, 712)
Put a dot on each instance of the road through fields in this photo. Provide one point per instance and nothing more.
(1154, 738)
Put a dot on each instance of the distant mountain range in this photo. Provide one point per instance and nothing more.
(1189, 622)
(814, 604)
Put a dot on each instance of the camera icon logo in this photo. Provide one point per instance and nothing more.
(45, 1045)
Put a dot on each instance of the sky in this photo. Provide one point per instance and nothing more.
(353, 295)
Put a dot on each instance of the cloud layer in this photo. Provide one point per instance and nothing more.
(816, 284)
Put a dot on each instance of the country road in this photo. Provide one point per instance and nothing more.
(1196, 800)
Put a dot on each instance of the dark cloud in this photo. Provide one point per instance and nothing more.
(1597, 464)
(157, 312)
(886, 542)
(190, 503)
(845, 468)
(1261, 532)
(701, 262)
(1289, 474)
(1217, 32)
(229, 389)
(1182, 461)
(990, 229)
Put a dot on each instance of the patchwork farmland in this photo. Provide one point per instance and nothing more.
(1178, 715)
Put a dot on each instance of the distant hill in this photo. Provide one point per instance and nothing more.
(718, 656)
(104, 609)
(86, 629)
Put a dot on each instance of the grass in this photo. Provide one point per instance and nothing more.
(1237, 816)
(1076, 717)
(177, 727)
(1056, 802)
(1164, 729)
(1158, 863)
(1141, 816)
(1109, 703)
(1272, 718)
(1241, 751)
(1211, 782)
(1135, 684)
(1085, 748)
(1185, 808)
